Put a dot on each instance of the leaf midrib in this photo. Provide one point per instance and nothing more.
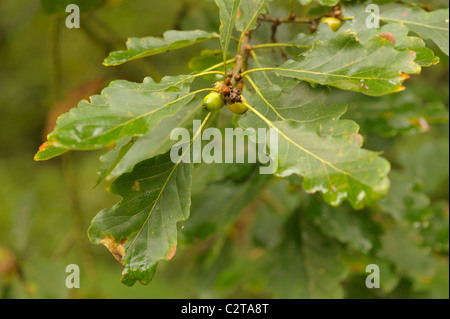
(140, 116)
(164, 187)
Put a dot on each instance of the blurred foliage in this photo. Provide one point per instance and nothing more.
(272, 239)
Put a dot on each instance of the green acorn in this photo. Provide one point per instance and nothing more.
(334, 23)
(213, 102)
(238, 107)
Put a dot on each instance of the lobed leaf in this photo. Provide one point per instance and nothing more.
(395, 33)
(428, 272)
(48, 151)
(374, 68)
(156, 143)
(334, 165)
(250, 10)
(356, 229)
(315, 144)
(404, 200)
(428, 25)
(124, 109)
(141, 230)
(409, 112)
(228, 10)
(143, 47)
(307, 263)
(114, 157)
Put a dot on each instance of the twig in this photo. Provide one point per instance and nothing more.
(242, 59)
(265, 18)
(274, 45)
(273, 38)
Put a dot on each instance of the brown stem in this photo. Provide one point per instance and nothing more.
(264, 18)
(242, 60)
(273, 38)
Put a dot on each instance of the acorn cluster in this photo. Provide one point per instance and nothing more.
(227, 94)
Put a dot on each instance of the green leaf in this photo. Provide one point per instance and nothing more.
(278, 200)
(434, 226)
(124, 109)
(334, 165)
(307, 263)
(158, 142)
(267, 78)
(354, 228)
(48, 151)
(113, 158)
(429, 273)
(374, 68)
(250, 10)
(143, 47)
(403, 200)
(141, 230)
(428, 25)
(395, 33)
(315, 144)
(228, 10)
(408, 112)
(237, 184)
(426, 157)
(213, 214)
(299, 102)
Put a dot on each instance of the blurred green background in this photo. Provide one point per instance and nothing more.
(46, 208)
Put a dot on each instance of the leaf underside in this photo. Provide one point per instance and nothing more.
(315, 144)
(143, 226)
